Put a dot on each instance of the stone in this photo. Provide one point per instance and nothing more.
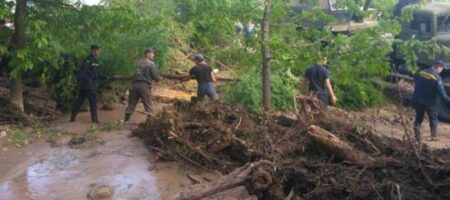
(101, 192)
(3, 134)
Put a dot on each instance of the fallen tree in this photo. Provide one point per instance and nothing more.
(323, 155)
(168, 76)
(252, 172)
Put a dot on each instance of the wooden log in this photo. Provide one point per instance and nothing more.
(338, 146)
(236, 178)
(410, 79)
(121, 78)
(168, 76)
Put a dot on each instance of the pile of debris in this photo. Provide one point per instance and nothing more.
(37, 105)
(320, 156)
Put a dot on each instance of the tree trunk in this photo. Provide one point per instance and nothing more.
(266, 56)
(338, 146)
(18, 43)
(367, 5)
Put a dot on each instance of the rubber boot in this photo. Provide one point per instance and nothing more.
(73, 115)
(94, 117)
(127, 117)
(434, 134)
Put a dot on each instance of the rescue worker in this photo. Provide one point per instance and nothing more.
(429, 87)
(318, 79)
(146, 72)
(204, 75)
(87, 76)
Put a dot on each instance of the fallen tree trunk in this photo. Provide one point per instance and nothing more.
(168, 76)
(236, 178)
(411, 79)
(337, 146)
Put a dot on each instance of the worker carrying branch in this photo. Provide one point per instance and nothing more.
(146, 72)
(318, 79)
(87, 77)
(205, 77)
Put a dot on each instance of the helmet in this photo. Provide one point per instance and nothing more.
(198, 57)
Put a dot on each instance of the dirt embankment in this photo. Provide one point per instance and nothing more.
(338, 158)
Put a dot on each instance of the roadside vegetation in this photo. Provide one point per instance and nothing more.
(58, 35)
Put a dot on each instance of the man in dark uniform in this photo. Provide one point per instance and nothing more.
(146, 72)
(318, 78)
(429, 87)
(204, 75)
(87, 76)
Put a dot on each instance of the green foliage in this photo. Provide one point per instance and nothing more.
(247, 91)
(355, 61)
(58, 38)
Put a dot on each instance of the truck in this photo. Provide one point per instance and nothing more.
(430, 21)
(345, 20)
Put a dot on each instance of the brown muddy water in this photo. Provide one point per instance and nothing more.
(41, 172)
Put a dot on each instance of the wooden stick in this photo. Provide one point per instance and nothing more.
(236, 178)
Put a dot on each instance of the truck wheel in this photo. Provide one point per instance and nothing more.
(444, 111)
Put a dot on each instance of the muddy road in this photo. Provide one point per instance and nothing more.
(53, 171)
(56, 170)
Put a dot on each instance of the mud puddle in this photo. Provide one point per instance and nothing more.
(39, 171)
(64, 173)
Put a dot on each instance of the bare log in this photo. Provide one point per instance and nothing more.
(337, 146)
(168, 76)
(236, 178)
(410, 79)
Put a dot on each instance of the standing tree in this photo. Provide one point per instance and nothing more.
(18, 44)
(266, 56)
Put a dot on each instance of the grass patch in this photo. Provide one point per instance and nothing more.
(113, 126)
(19, 136)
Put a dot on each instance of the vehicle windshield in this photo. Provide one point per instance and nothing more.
(443, 23)
(421, 23)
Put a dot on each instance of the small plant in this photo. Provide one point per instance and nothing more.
(92, 132)
(113, 126)
(19, 137)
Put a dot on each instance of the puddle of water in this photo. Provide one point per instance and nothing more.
(65, 173)
(39, 172)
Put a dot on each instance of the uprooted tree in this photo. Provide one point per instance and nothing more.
(322, 155)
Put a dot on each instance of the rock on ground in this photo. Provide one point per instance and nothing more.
(102, 192)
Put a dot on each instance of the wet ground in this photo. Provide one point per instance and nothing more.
(40, 171)
(54, 171)
(399, 132)
(387, 121)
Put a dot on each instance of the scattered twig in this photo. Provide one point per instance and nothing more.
(239, 123)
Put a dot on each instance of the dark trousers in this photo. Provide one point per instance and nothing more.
(91, 95)
(432, 116)
(140, 90)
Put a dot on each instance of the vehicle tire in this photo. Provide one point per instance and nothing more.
(444, 111)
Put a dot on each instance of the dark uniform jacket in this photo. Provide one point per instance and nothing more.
(88, 73)
(316, 75)
(202, 73)
(146, 72)
(428, 88)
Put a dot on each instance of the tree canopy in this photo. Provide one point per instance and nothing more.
(60, 32)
